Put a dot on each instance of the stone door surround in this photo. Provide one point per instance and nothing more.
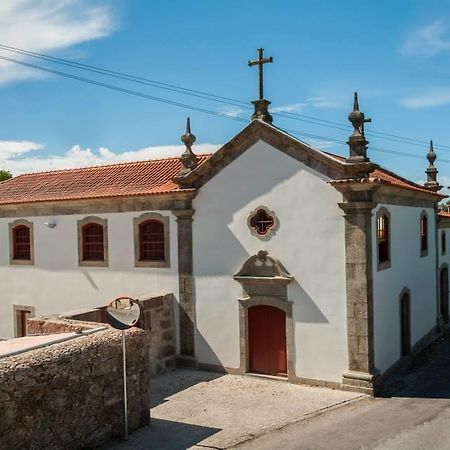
(264, 281)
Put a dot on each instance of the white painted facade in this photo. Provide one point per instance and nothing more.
(407, 270)
(309, 243)
(56, 283)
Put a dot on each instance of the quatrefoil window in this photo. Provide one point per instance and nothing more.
(262, 222)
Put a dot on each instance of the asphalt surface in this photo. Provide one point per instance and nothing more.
(412, 414)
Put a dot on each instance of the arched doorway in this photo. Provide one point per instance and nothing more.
(267, 340)
(443, 286)
(405, 324)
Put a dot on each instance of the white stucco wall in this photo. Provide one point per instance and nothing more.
(56, 283)
(309, 243)
(408, 269)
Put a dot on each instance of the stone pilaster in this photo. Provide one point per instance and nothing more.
(186, 282)
(361, 374)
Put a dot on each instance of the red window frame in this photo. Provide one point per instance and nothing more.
(93, 242)
(152, 241)
(22, 243)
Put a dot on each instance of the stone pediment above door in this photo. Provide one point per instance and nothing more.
(263, 275)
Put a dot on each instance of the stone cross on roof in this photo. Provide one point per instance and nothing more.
(261, 105)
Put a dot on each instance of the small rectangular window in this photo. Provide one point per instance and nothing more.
(443, 242)
(383, 238)
(423, 235)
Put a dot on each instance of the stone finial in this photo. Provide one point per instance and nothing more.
(432, 172)
(262, 111)
(188, 158)
(357, 141)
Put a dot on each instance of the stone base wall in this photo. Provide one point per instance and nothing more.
(70, 395)
(157, 315)
(57, 324)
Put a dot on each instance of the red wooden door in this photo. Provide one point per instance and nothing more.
(267, 340)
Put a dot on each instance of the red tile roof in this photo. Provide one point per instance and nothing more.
(388, 177)
(127, 179)
(117, 180)
(444, 214)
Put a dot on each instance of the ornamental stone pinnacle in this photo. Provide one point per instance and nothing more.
(261, 105)
(357, 141)
(432, 172)
(188, 158)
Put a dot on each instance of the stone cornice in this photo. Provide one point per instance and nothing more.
(380, 192)
(166, 202)
(279, 139)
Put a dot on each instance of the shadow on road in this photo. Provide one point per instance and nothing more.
(164, 435)
(164, 386)
(427, 375)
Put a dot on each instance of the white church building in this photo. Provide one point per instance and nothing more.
(284, 260)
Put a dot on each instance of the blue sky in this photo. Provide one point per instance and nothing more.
(397, 58)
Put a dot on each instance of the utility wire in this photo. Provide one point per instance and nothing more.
(121, 89)
(192, 107)
(212, 97)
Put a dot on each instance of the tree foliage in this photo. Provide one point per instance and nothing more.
(5, 175)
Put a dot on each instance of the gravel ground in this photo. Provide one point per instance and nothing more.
(194, 409)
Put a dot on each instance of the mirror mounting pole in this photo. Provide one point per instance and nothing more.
(125, 384)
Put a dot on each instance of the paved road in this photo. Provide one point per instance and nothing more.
(414, 414)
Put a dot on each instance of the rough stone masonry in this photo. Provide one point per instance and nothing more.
(70, 395)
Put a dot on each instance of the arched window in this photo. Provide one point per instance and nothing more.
(405, 323)
(93, 249)
(423, 234)
(151, 241)
(443, 242)
(383, 238)
(93, 242)
(21, 243)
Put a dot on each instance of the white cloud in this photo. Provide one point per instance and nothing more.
(11, 149)
(48, 25)
(234, 111)
(444, 181)
(294, 107)
(428, 99)
(321, 144)
(11, 156)
(321, 102)
(312, 102)
(428, 40)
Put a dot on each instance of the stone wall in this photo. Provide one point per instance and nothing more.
(58, 324)
(157, 316)
(70, 395)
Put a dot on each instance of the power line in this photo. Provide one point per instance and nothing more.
(192, 107)
(121, 89)
(212, 97)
